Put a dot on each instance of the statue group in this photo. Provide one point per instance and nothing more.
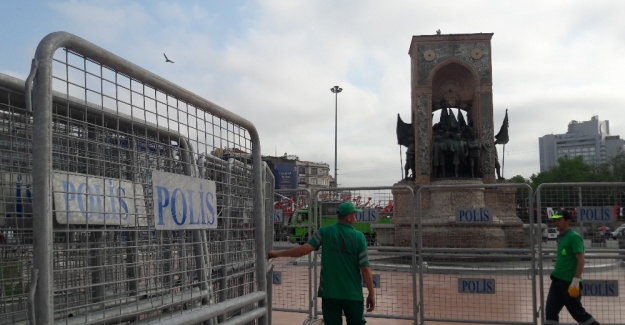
(455, 146)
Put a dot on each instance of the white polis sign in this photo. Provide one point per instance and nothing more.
(183, 202)
(474, 215)
(85, 199)
(600, 215)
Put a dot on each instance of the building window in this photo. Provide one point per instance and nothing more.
(302, 170)
(313, 181)
(313, 171)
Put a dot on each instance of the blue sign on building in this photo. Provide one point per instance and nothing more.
(286, 175)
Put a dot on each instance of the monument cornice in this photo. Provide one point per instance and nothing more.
(448, 38)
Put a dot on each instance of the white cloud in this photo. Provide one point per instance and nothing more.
(274, 62)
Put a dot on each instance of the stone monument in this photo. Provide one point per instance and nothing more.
(453, 73)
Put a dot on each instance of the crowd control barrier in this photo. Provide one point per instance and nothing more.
(295, 285)
(597, 213)
(117, 205)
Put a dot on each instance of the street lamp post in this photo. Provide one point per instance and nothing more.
(336, 90)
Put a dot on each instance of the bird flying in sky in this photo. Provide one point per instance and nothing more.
(167, 59)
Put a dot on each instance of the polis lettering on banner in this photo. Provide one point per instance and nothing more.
(600, 288)
(601, 215)
(476, 286)
(82, 199)
(376, 281)
(368, 216)
(183, 202)
(474, 215)
(16, 187)
(276, 278)
(278, 215)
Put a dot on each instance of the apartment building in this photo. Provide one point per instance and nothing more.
(589, 139)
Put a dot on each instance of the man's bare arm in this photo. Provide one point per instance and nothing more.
(367, 277)
(291, 252)
(581, 261)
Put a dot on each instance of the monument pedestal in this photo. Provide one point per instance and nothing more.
(438, 212)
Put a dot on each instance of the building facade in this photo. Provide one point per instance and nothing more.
(291, 173)
(313, 175)
(589, 139)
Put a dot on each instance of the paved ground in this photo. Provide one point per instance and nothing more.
(283, 318)
(510, 302)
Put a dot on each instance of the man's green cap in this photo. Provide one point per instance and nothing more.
(561, 214)
(346, 208)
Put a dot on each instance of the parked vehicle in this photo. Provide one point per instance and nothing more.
(301, 218)
(550, 234)
(618, 232)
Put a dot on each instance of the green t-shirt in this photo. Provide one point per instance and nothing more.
(570, 244)
(344, 253)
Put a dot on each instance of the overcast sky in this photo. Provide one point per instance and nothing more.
(274, 62)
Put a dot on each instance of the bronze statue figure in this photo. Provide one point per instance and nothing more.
(405, 137)
(439, 149)
(410, 162)
(475, 148)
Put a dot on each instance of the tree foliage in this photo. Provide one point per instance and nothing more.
(575, 170)
(519, 179)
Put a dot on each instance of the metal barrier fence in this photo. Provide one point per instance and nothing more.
(111, 214)
(269, 184)
(596, 208)
(292, 218)
(393, 267)
(476, 256)
(484, 253)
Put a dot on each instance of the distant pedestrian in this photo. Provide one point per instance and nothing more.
(566, 278)
(344, 266)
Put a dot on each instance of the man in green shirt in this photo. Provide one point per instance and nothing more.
(567, 274)
(344, 266)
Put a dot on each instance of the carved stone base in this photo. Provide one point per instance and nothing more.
(438, 210)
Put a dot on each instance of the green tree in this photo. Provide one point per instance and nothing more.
(568, 170)
(615, 168)
(519, 179)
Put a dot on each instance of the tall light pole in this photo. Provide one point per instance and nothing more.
(336, 90)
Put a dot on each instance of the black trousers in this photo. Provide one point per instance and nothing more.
(558, 297)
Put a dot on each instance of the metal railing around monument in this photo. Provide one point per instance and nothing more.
(597, 210)
(476, 256)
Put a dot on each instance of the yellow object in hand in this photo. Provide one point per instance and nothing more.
(574, 288)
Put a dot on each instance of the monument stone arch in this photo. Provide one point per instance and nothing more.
(454, 72)
(456, 69)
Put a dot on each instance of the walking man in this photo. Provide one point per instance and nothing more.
(344, 266)
(566, 278)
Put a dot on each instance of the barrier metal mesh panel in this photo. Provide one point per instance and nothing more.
(16, 236)
(110, 132)
(392, 266)
(476, 254)
(597, 211)
(291, 288)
